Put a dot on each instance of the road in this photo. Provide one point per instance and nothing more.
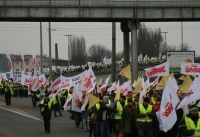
(22, 120)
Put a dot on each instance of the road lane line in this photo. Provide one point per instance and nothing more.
(21, 114)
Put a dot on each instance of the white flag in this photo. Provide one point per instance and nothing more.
(147, 84)
(10, 66)
(142, 92)
(67, 105)
(84, 104)
(35, 64)
(126, 87)
(159, 70)
(167, 108)
(103, 86)
(155, 81)
(26, 79)
(76, 101)
(41, 79)
(192, 95)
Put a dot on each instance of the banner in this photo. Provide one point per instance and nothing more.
(10, 66)
(190, 68)
(159, 70)
(126, 87)
(103, 86)
(41, 79)
(3, 76)
(26, 79)
(17, 76)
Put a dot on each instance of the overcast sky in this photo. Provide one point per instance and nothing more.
(25, 36)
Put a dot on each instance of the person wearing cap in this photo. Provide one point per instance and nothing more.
(118, 108)
(144, 114)
(128, 120)
(102, 117)
(46, 106)
(190, 125)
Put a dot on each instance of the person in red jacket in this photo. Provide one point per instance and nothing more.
(156, 107)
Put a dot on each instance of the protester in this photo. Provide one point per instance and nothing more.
(144, 114)
(46, 106)
(128, 120)
(56, 105)
(8, 93)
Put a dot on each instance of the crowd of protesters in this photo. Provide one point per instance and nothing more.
(108, 117)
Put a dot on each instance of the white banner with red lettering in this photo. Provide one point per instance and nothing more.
(159, 70)
(192, 95)
(190, 68)
(23, 63)
(167, 108)
(56, 84)
(26, 79)
(41, 79)
(68, 104)
(35, 84)
(155, 82)
(66, 84)
(10, 66)
(142, 92)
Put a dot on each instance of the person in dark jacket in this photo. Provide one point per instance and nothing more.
(190, 124)
(8, 93)
(46, 106)
(102, 115)
(128, 120)
(56, 105)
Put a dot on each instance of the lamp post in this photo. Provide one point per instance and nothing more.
(50, 60)
(68, 49)
(165, 40)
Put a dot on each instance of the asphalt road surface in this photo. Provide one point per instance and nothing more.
(22, 120)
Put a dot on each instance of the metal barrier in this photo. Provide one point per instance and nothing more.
(105, 3)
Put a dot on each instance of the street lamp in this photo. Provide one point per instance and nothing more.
(68, 49)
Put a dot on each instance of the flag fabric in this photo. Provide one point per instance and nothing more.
(65, 84)
(155, 81)
(134, 83)
(137, 86)
(76, 103)
(42, 79)
(112, 87)
(174, 83)
(167, 108)
(67, 105)
(142, 92)
(23, 63)
(103, 86)
(182, 77)
(162, 83)
(190, 68)
(117, 96)
(56, 84)
(99, 81)
(126, 87)
(10, 66)
(3, 76)
(126, 72)
(35, 84)
(159, 70)
(92, 100)
(84, 104)
(26, 79)
(35, 64)
(186, 84)
(192, 94)
(147, 84)
(140, 57)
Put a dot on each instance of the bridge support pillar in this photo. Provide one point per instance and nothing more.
(125, 29)
(133, 25)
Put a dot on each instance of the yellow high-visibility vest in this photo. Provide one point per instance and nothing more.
(144, 111)
(49, 104)
(190, 125)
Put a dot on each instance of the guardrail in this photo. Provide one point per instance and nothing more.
(105, 3)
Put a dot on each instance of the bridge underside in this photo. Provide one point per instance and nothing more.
(88, 14)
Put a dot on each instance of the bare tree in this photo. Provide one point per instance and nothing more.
(78, 50)
(97, 52)
(185, 47)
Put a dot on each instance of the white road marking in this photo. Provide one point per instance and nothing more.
(21, 114)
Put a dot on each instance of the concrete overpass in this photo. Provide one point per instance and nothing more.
(129, 13)
(99, 11)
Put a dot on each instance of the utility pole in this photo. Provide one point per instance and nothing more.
(69, 50)
(41, 49)
(165, 40)
(182, 35)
